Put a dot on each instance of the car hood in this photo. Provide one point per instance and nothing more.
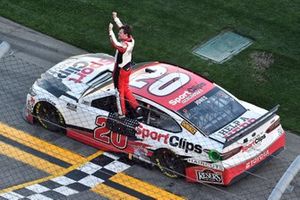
(76, 74)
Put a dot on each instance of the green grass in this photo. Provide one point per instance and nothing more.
(168, 30)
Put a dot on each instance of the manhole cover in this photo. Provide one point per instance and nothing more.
(222, 47)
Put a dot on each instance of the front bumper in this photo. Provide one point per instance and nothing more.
(28, 109)
(27, 115)
(230, 175)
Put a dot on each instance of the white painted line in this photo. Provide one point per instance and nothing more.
(38, 197)
(117, 166)
(4, 47)
(38, 188)
(89, 168)
(65, 191)
(12, 196)
(63, 180)
(91, 181)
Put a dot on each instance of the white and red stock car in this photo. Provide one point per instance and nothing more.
(190, 125)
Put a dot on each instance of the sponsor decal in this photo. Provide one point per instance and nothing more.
(205, 164)
(254, 142)
(180, 98)
(200, 100)
(257, 159)
(194, 88)
(140, 151)
(106, 136)
(146, 133)
(85, 102)
(235, 126)
(81, 69)
(188, 127)
(188, 94)
(182, 143)
(209, 176)
(280, 130)
(71, 106)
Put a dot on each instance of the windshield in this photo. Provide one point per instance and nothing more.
(212, 111)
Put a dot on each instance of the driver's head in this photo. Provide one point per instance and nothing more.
(124, 32)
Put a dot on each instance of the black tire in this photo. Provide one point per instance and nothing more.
(49, 117)
(169, 164)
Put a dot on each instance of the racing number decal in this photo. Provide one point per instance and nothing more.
(140, 81)
(168, 84)
(106, 136)
(119, 141)
(163, 86)
(102, 133)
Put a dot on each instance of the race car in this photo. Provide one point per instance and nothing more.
(189, 125)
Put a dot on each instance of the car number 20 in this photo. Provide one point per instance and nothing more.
(162, 85)
(104, 135)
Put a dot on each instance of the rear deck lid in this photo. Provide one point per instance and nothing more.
(242, 126)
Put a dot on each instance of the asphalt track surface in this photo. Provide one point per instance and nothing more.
(37, 53)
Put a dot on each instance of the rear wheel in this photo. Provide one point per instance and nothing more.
(49, 117)
(169, 164)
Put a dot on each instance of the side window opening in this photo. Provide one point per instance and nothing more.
(151, 115)
(161, 120)
(106, 103)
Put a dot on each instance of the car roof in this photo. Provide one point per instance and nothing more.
(169, 85)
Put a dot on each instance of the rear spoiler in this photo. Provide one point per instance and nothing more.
(245, 131)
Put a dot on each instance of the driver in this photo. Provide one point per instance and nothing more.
(122, 69)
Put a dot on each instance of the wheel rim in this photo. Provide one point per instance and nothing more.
(168, 160)
(48, 117)
(169, 164)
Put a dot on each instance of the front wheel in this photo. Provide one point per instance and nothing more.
(169, 164)
(49, 117)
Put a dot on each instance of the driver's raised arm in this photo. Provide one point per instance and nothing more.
(117, 19)
(115, 43)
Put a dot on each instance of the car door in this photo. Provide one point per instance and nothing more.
(100, 108)
(166, 129)
(156, 127)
